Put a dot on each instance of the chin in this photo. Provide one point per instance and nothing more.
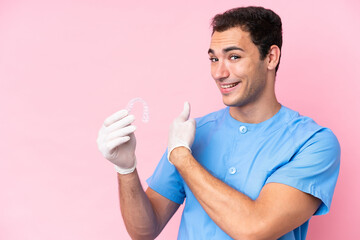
(229, 101)
(234, 102)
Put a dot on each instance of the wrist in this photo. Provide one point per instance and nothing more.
(179, 156)
(121, 170)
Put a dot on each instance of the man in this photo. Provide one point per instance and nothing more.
(254, 170)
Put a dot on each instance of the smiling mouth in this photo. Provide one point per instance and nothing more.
(225, 86)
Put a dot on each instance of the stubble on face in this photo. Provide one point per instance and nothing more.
(252, 91)
(249, 69)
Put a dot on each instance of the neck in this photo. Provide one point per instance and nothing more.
(264, 108)
(253, 113)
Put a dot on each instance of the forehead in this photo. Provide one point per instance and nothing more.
(231, 37)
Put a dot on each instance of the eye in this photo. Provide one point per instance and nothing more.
(213, 59)
(234, 57)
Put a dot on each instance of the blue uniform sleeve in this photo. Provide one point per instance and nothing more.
(167, 181)
(314, 169)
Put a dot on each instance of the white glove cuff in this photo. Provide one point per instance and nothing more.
(125, 170)
(173, 147)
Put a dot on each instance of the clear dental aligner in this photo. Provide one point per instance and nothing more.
(145, 117)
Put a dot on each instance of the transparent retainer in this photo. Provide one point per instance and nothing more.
(145, 116)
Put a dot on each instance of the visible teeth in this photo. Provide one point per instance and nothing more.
(229, 85)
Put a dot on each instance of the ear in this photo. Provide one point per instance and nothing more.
(273, 57)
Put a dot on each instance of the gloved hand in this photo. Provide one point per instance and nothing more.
(116, 141)
(182, 131)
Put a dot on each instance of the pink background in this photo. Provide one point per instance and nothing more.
(67, 65)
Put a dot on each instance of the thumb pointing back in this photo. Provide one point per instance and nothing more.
(186, 112)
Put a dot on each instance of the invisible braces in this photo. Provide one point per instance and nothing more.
(145, 117)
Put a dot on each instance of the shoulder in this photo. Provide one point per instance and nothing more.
(210, 118)
(300, 123)
(305, 132)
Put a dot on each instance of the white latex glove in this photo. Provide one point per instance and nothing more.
(116, 141)
(182, 131)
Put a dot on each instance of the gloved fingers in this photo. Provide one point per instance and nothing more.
(186, 112)
(192, 121)
(121, 123)
(116, 142)
(115, 117)
(121, 132)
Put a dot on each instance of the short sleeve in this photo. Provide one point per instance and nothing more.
(167, 181)
(314, 169)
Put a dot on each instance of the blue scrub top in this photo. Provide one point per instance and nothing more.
(288, 148)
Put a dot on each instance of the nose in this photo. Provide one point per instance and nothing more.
(220, 71)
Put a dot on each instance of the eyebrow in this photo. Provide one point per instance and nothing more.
(225, 50)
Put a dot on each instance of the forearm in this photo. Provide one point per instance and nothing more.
(139, 217)
(231, 210)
